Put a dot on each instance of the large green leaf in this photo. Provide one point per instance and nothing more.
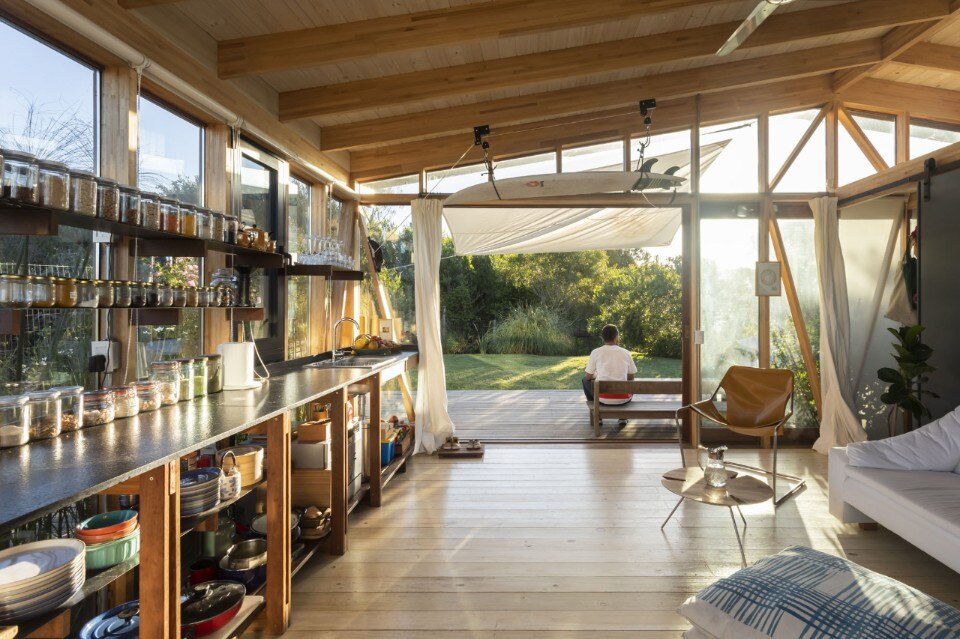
(890, 376)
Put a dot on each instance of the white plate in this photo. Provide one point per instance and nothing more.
(23, 564)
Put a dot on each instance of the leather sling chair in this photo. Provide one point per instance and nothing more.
(759, 401)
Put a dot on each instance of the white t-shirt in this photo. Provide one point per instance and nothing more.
(611, 363)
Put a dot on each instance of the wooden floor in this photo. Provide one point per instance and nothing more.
(562, 542)
(540, 414)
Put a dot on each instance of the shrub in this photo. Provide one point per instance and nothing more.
(530, 330)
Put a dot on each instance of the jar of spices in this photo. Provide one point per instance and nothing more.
(88, 293)
(44, 409)
(83, 193)
(217, 227)
(54, 185)
(165, 295)
(129, 205)
(149, 393)
(245, 237)
(186, 378)
(188, 220)
(71, 407)
(126, 400)
(21, 177)
(204, 223)
(108, 199)
(179, 296)
(150, 217)
(200, 376)
(122, 294)
(151, 294)
(192, 296)
(170, 214)
(230, 228)
(226, 281)
(99, 407)
(14, 421)
(214, 373)
(105, 293)
(66, 291)
(138, 296)
(42, 292)
(167, 374)
(15, 291)
(216, 297)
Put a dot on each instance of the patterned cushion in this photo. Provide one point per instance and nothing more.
(803, 593)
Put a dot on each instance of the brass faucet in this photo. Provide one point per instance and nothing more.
(333, 357)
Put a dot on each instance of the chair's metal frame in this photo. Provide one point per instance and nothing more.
(799, 483)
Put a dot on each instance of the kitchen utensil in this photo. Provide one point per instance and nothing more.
(230, 480)
(111, 553)
(248, 553)
(107, 523)
(259, 524)
(203, 570)
(210, 606)
(39, 576)
(251, 577)
(248, 458)
(122, 622)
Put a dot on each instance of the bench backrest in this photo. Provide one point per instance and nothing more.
(639, 387)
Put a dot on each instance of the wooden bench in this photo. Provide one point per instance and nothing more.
(660, 399)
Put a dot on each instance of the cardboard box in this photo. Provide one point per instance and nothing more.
(310, 455)
(318, 431)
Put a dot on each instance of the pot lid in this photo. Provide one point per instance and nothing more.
(122, 622)
(209, 600)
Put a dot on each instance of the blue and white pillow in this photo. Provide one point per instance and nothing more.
(802, 593)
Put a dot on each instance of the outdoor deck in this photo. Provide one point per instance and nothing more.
(540, 414)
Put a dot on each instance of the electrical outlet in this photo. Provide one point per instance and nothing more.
(110, 350)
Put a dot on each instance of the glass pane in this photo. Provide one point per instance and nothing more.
(390, 226)
(728, 305)
(158, 343)
(670, 149)
(784, 344)
(453, 180)
(334, 214)
(298, 288)
(852, 164)
(597, 157)
(729, 158)
(404, 184)
(530, 165)
(258, 206)
(170, 154)
(882, 133)
(927, 137)
(808, 174)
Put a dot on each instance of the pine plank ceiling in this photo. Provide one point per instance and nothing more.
(390, 85)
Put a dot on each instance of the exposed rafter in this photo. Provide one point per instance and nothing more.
(418, 31)
(861, 140)
(924, 102)
(139, 4)
(595, 59)
(605, 95)
(939, 57)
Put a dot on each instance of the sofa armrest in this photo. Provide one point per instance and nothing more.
(837, 466)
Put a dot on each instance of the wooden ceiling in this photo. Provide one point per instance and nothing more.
(387, 77)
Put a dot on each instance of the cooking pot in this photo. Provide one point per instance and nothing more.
(210, 606)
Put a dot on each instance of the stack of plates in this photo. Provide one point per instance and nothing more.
(199, 491)
(249, 461)
(315, 522)
(38, 577)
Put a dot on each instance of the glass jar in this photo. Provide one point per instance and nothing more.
(170, 214)
(66, 292)
(99, 407)
(214, 373)
(21, 177)
(167, 374)
(149, 394)
(15, 291)
(18, 388)
(108, 199)
(150, 217)
(14, 421)
(186, 378)
(200, 376)
(43, 293)
(105, 293)
(217, 227)
(230, 227)
(192, 296)
(188, 220)
(226, 281)
(88, 293)
(122, 294)
(165, 295)
(54, 185)
(83, 193)
(151, 294)
(204, 223)
(138, 296)
(179, 296)
(44, 414)
(126, 400)
(245, 237)
(71, 407)
(129, 205)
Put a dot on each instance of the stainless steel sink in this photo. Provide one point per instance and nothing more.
(352, 361)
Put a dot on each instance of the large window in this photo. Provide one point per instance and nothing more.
(453, 180)
(404, 184)
(597, 157)
(670, 149)
(48, 107)
(527, 165)
(299, 229)
(853, 163)
(927, 137)
(729, 158)
(808, 171)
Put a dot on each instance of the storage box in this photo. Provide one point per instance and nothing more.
(310, 455)
(386, 452)
(403, 445)
(318, 431)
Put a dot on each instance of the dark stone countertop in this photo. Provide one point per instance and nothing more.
(49, 474)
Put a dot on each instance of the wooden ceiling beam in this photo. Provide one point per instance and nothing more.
(612, 124)
(892, 97)
(425, 29)
(928, 55)
(593, 97)
(140, 4)
(595, 59)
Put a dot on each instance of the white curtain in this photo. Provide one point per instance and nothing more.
(839, 425)
(433, 424)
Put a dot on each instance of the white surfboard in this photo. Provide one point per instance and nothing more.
(562, 184)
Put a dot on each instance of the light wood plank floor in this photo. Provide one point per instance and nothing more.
(562, 542)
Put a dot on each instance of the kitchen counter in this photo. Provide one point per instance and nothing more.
(49, 474)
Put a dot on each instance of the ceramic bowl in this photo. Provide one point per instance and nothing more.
(109, 523)
(111, 553)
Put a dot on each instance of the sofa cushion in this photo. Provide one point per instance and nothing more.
(935, 446)
(804, 593)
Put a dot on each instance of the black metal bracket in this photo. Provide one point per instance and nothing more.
(928, 168)
(479, 132)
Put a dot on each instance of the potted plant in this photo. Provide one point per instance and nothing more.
(904, 393)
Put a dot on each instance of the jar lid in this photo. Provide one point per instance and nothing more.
(89, 175)
(13, 277)
(56, 166)
(169, 200)
(129, 189)
(13, 400)
(200, 358)
(229, 216)
(98, 394)
(106, 181)
(188, 207)
(43, 396)
(19, 155)
(65, 279)
(122, 390)
(147, 385)
(169, 366)
(214, 356)
(184, 360)
(149, 194)
(68, 390)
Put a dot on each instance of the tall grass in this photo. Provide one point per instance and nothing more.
(530, 330)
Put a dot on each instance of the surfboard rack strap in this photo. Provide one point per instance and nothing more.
(479, 132)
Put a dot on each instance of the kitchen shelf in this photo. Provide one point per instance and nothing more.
(171, 316)
(336, 273)
(190, 522)
(250, 607)
(358, 497)
(387, 472)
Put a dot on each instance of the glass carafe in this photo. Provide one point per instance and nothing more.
(714, 468)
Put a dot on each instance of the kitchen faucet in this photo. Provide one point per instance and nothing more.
(333, 357)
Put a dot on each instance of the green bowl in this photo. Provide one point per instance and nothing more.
(111, 553)
(103, 523)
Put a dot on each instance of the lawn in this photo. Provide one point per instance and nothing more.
(536, 372)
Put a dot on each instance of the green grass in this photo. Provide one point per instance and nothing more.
(536, 372)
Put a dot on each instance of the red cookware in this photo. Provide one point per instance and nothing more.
(203, 570)
(210, 606)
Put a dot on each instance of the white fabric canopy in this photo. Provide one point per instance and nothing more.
(484, 231)
(433, 423)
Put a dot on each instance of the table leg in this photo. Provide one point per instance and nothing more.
(736, 531)
(740, 512)
(667, 520)
(279, 580)
(373, 442)
(338, 473)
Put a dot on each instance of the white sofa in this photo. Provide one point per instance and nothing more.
(910, 484)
